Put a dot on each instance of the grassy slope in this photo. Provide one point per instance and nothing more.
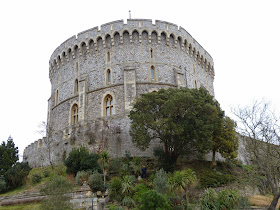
(35, 206)
(30, 187)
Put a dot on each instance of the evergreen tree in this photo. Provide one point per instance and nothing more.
(182, 119)
(224, 139)
(8, 155)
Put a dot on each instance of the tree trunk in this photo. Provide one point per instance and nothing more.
(52, 165)
(274, 202)
(187, 198)
(213, 165)
(166, 150)
(104, 175)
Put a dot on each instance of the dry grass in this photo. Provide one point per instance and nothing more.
(261, 200)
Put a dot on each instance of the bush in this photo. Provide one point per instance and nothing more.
(116, 166)
(209, 200)
(126, 164)
(140, 189)
(136, 165)
(128, 201)
(55, 190)
(163, 161)
(228, 198)
(2, 184)
(36, 178)
(114, 207)
(95, 181)
(46, 173)
(115, 188)
(15, 176)
(81, 160)
(81, 177)
(225, 199)
(160, 181)
(215, 179)
(243, 203)
(153, 200)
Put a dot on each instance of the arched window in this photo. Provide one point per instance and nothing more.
(76, 88)
(109, 105)
(74, 114)
(152, 73)
(151, 53)
(108, 76)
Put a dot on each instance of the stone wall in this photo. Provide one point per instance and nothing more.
(129, 52)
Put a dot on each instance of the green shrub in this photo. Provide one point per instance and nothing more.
(56, 190)
(150, 181)
(153, 200)
(128, 183)
(46, 173)
(209, 200)
(2, 184)
(114, 207)
(116, 166)
(15, 176)
(215, 179)
(136, 165)
(81, 177)
(115, 188)
(228, 199)
(160, 181)
(126, 164)
(128, 201)
(95, 181)
(225, 199)
(36, 178)
(80, 159)
(243, 203)
(164, 161)
(140, 189)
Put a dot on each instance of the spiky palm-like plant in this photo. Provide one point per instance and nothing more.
(104, 161)
(127, 190)
(182, 180)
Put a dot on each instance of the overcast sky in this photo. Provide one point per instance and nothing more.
(242, 36)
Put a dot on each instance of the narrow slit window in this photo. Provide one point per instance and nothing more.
(152, 73)
(151, 53)
(77, 67)
(76, 88)
(108, 57)
(56, 98)
(108, 76)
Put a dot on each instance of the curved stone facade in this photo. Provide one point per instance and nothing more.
(96, 75)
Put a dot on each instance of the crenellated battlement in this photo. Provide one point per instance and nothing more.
(89, 40)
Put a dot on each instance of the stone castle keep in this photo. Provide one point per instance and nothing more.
(96, 75)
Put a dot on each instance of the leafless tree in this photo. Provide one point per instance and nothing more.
(261, 129)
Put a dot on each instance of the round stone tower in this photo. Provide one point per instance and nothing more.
(96, 75)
